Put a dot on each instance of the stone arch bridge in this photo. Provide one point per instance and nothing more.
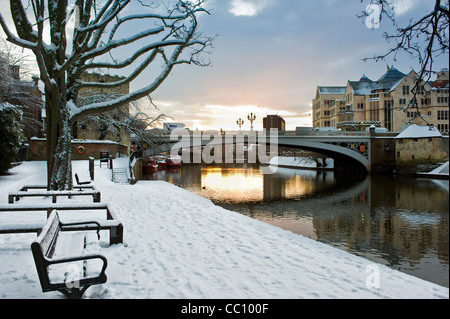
(366, 152)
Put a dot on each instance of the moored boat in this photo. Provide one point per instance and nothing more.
(161, 161)
(149, 165)
(174, 161)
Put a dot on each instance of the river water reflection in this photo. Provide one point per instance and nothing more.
(400, 222)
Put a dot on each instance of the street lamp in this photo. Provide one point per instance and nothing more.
(251, 117)
(240, 122)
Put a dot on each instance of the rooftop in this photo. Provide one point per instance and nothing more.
(419, 131)
(332, 89)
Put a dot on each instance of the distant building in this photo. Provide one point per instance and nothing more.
(84, 128)
(173, 126)
(274, 121)
(303, 130)
(420, 145)
(383, 103)
(28, 96)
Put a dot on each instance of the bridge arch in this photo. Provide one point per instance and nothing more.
(345, 159)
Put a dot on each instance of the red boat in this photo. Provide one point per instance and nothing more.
(161, 161)
(149, 165)
(174, 161)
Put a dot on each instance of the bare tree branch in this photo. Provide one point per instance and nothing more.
(170, 39)
(424, 39)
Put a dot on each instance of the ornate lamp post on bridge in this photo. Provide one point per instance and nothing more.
(240, 122)
(251, 117)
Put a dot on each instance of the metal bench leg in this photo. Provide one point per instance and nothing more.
(116, 235)
(74, 293)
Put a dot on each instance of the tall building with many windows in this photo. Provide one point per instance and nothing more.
(383, 103)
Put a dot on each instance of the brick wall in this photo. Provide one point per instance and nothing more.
(91, 148)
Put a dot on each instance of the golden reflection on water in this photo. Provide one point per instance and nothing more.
(250, 185)
(232, 184)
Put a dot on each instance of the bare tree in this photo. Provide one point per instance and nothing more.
(22, 94)
(424, 38)
(171, 39)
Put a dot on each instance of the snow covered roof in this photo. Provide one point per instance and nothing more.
(419, 131)
(362, 87)
(332, 89)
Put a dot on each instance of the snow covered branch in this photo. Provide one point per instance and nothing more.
(71, 37)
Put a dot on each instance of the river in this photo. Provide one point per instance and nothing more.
(401, 222)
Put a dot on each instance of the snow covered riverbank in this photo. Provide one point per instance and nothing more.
(300, 162)
(180, 245)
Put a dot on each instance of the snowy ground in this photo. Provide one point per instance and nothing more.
(301, 162)
(180, 245)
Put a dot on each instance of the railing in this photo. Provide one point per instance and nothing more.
(263, 133)
(132, 162)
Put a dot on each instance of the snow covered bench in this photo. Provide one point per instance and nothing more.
(44, 188)
(54, 194)
(112, 223)
(68, 261)
(81, 183)
(106, 158)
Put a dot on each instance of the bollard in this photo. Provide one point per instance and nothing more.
(91, 168)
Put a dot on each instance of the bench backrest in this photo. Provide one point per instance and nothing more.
(104, 155)
(43, 247)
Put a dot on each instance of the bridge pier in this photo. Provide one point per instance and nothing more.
(381, 153)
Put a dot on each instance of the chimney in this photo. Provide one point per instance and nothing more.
(35, 80)
(15, 71)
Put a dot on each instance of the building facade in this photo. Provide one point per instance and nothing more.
(90, 128)
(275, 122)
(386, 102)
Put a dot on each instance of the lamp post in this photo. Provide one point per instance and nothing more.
(240, 122)
(251, 117)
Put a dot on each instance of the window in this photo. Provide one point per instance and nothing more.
(425, 101)
(412, 114)
(442, 99)
(442, 115)
(405, 89)
(442, 127)
(420, 90)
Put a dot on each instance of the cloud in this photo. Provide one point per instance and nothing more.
(402, 6)
(247, 7)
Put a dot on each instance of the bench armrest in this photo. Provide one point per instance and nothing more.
(67, 225)
(80, 258)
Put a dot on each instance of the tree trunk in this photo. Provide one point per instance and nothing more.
(59, 142)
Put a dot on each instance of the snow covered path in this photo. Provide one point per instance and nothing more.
(180, 245)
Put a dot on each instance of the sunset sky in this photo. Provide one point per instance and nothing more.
(270, 55)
